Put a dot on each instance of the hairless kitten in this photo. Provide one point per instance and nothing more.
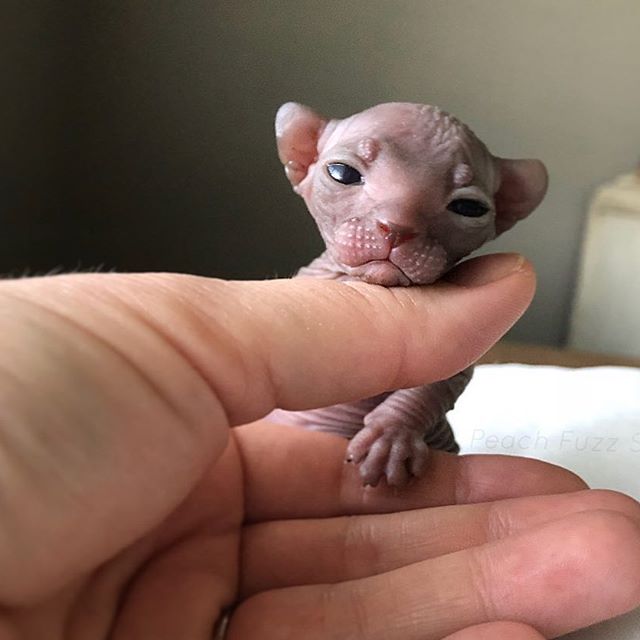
(400, 193)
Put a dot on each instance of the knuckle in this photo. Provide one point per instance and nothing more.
(498, 523)
(480, 577)
(360, 551)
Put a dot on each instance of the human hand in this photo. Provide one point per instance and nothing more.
(131, 510)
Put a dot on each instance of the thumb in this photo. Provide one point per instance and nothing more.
(307, 343)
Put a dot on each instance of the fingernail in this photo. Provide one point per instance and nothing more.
(486, 269)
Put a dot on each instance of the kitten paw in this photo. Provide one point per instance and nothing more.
(395, 452)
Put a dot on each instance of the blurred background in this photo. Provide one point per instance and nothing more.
(139, 135)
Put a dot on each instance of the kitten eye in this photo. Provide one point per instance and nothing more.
(344, 173)
(468, 207)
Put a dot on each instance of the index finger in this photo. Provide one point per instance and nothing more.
(292, 473)
(311, 343)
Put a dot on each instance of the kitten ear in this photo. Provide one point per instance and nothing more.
(297, 131)
(523, 184)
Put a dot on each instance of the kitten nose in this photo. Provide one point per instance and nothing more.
(395, 232)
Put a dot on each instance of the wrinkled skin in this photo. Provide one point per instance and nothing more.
(396, 221)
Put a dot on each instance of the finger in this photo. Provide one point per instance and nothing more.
(351, 340)
(397, 468)
(332, 550)
(326, 486)
(372, 468)
(549, 577)
(360, 444)
(497, 631)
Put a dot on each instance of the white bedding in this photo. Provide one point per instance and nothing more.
(587, 420)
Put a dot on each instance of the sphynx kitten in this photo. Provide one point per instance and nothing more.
(400, 193)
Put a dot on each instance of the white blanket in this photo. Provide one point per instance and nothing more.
(587, 420)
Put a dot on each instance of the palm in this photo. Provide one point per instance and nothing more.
(168, 584)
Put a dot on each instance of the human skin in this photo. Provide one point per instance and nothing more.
(400, 193)
(134, 506)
